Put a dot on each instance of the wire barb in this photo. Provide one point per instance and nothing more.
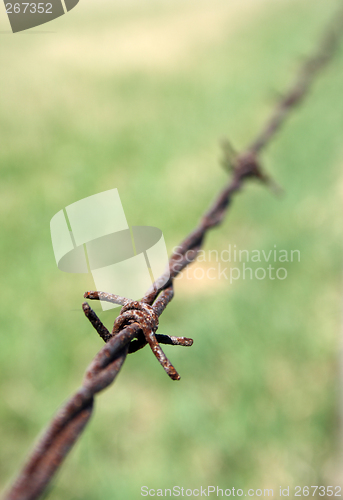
(96, 322)
(146, 317)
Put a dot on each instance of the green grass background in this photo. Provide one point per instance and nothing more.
(136, 96)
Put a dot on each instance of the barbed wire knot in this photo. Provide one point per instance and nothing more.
(146, 317)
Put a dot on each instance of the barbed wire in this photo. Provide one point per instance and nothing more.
(137, 322)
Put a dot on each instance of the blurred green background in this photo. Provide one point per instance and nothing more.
(136, 95)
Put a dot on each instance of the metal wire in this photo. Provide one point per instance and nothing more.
(138, 320)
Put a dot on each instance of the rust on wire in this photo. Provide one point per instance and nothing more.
(137, 322)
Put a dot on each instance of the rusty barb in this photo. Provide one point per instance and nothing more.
(145, 317)
(137, 322)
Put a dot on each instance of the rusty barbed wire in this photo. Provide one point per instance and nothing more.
(137, 322)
